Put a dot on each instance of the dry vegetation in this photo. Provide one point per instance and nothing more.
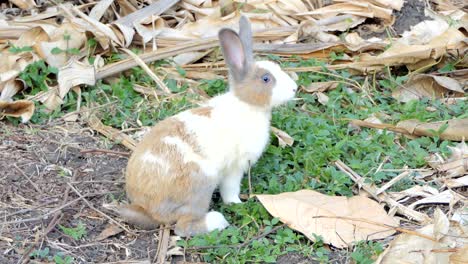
(381, 117)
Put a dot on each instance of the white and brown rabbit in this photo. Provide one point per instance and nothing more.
(175, 169)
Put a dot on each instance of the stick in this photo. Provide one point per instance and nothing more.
(29, 179)
(383, 197)
(392, 181)
(106, 151)
(163, 244)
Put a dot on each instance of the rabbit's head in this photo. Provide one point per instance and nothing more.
(259, 83)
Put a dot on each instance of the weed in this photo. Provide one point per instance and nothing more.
(76, 233)
(40, 253)
(365, 252)
(68, 51)
(37, 75)
(15, 50)
(61, 259)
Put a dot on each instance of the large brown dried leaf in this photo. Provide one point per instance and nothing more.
(408, 248)
(341, 221)
(457, 129)
(428, 86)
(20, 108)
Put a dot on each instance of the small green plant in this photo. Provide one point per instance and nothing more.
(40, 253)
(38, 76)
(365, 252)
(61, 259)
(15, 50)
(68, 51)
(334, 56)
(76, 233)
(214, 87)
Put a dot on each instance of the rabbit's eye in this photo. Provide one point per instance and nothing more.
(266, 78)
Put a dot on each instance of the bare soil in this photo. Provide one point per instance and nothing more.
(37, 166)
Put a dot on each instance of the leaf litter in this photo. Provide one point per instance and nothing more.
(186, 31)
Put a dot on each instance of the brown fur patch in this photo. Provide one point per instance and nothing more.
(253, 90)
(202, 111)
(166, 196)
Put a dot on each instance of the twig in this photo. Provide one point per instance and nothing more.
(163, 244)
(97, 210)
(148, 71)
(29, 179)
(106, 151)
(241, 245)
(383, 197)
(392, 182)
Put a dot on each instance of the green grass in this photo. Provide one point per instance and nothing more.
(322, 135)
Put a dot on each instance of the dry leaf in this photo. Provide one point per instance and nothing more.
(456, 183)
(110, 230)
(460, 257)
(74, 73)
(322, 98)
(442, 198)
(283, 138)
(341, 221)
(427, 86)
(456, 165)
(321, 86)
(455, 129)
(10, 88)
(20, 108)
(415, 191)
(441, 224)
(409, 248)
(461, 217)
(24, 4)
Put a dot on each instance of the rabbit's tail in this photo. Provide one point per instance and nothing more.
(137, 215)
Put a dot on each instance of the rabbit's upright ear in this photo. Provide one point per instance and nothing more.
(245, 34)
(234, 53)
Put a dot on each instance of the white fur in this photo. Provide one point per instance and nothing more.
(149, 157)
(189, 155)
(230, 187)
(285, 87)
(235, 134)
(215, 220)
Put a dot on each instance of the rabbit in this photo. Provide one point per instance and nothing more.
(174, 170)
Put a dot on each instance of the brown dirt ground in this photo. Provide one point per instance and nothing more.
(36, 166)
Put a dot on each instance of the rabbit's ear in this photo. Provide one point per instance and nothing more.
(234, 53)
(245, 34)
